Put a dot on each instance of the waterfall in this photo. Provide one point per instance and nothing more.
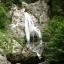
(31, 30)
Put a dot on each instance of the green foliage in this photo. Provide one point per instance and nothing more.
(57, 7)
(54, 51)
(54, 25)
(54, 34)
(5, 42)
(5, 38)
(4, 20)
(20, 40)
(46, 35)
(8, 3)
(5, 5)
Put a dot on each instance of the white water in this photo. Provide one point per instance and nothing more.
(30, 30)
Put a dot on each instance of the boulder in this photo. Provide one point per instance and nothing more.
(3, 59)
(16, 28)
(16, 48)
(26, 57)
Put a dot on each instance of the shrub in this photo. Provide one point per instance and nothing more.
(7, 3)
(46, 35)
(4, 20)
(57, 7)
(54, 51)
(5, 41)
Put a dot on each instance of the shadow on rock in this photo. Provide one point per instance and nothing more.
(20, 58)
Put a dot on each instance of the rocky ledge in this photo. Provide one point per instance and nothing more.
(27, 57)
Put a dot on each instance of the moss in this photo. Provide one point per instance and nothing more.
(4, 20)
(20, 40)
(5, 40)
(57, 7)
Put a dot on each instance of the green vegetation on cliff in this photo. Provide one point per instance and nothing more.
(5, 37)
(4, 20)
(5, 40)
(54, 33)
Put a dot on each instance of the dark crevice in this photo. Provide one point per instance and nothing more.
(30, 1)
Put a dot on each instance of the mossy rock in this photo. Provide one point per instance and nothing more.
(29, 58)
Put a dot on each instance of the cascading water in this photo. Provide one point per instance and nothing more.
(31, 30)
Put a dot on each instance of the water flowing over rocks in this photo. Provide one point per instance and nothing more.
(17, 25)
(39, 14)
(40, 10)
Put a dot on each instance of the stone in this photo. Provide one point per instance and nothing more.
(27, 57)
(16, 28)
(24, 4)
(2, 52)
(3, 59)
(40, 11)
(17, 48)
